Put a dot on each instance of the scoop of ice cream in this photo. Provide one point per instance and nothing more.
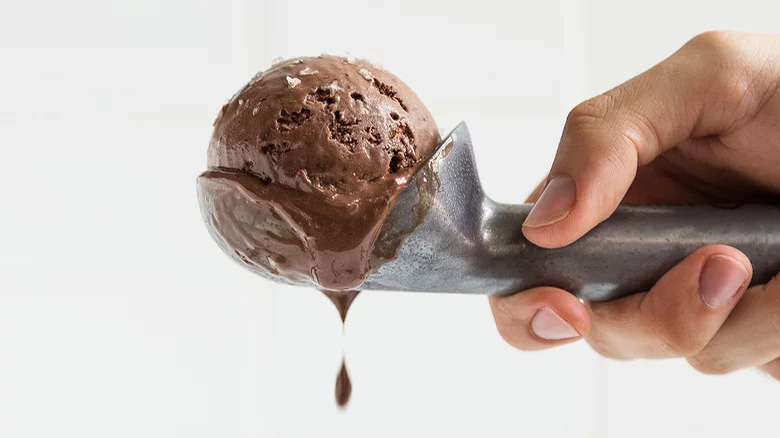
(325, 125)
(305, 163)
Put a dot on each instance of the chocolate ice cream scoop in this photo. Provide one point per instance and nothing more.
(306, 161)
(435, 230)
(446, 235)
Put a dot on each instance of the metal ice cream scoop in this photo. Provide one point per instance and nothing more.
(455, 239)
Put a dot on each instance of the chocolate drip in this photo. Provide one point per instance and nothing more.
(343, 385)
(342, 301)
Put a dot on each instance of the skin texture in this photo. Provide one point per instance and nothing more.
(701, 126)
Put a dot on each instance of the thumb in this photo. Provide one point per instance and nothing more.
(608, 137)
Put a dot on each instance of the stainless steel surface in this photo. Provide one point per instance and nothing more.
(467, 243)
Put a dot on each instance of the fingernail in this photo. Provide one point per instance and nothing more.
(547, 324)
(721, 278)
(554, 203)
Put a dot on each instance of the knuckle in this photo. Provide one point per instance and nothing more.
(677, 342)
(642, 135)
(709, 365)
(772, 289)
(593, 110)
(601, 120)
(726, 71)
(606, 351)
(714, 42)
(624, 126)
(604, 347)
(607, 313)
(770, 293)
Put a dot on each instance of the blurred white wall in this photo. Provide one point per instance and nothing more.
(120, 317)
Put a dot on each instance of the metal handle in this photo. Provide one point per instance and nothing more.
(629, 251)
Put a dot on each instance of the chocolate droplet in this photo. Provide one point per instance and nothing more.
(343, 385)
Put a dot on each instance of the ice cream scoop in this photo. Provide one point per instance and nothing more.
(304, 164)
(443, 234)
(456, 239)
(329, 172)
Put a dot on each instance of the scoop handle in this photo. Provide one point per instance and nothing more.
(467, 243)
(632, 249)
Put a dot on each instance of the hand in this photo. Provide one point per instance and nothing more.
(701, 126)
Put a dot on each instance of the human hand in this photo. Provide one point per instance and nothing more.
(701, 126)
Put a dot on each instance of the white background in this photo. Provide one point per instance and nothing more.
(119, 317)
